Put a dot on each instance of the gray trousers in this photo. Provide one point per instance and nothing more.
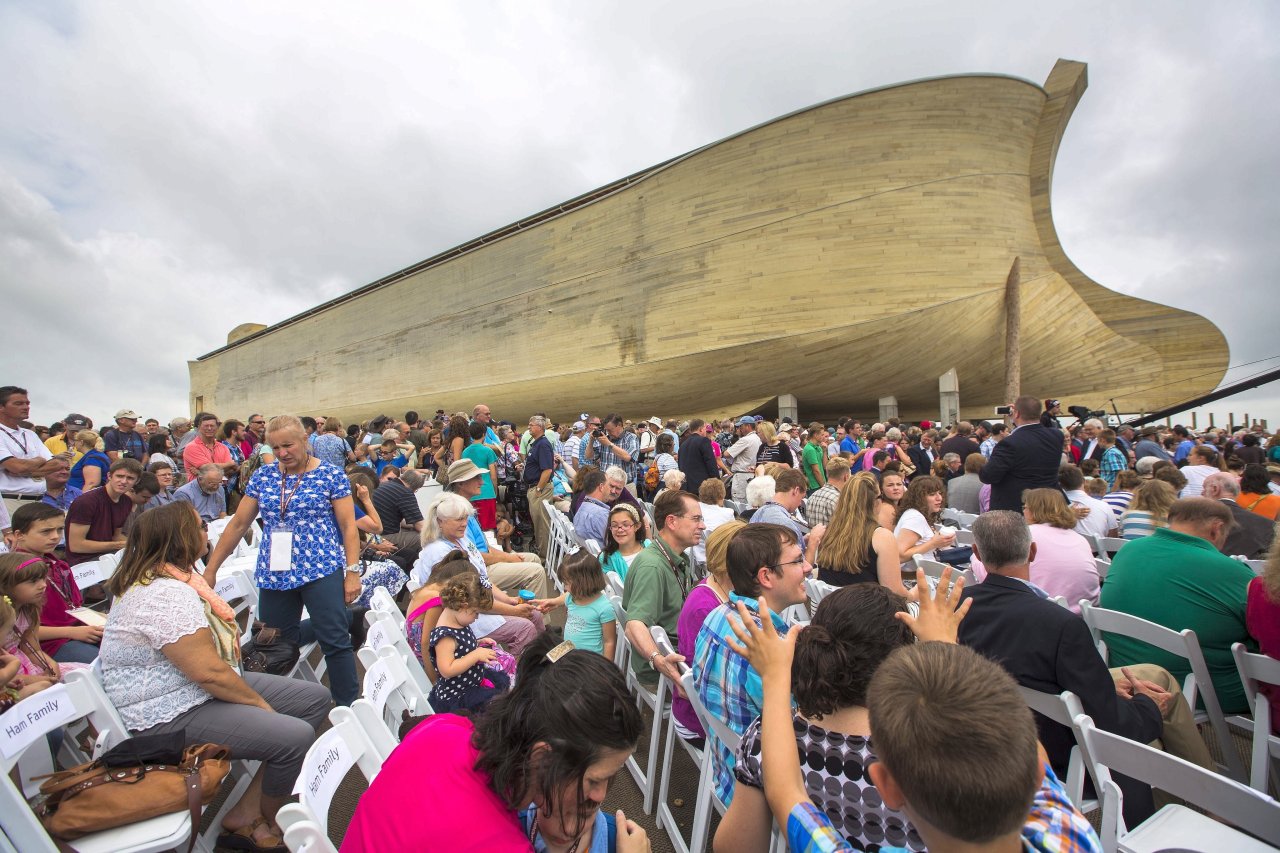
(278, 739)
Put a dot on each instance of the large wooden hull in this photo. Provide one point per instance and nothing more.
(849, 251)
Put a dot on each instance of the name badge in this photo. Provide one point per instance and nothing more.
(282, 548)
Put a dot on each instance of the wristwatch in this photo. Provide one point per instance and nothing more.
(354, 569)
(656, 652)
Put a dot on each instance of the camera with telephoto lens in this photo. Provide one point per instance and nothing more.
(1084, 413)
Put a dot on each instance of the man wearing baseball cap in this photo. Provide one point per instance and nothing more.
(124, 441)
(65, 441)
(743, 452)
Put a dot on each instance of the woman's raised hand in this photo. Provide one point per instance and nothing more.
(631, 835)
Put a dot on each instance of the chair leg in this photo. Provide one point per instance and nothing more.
(665, 818)
(702, 804)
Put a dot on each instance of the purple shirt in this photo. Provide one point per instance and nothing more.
(701, 601)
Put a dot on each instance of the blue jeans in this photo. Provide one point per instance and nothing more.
(325, 603)
(75, 651)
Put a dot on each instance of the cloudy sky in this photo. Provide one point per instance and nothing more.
(170, 170)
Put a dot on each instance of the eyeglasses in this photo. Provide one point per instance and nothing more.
(625, 525)
(696, 519)
(801, 561)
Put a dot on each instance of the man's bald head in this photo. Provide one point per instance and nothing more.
(1224, 485)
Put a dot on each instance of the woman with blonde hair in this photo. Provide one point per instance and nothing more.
(1063, 563)
(856, 549)
(90, 469)
(772, 448)
(1149, 509)
(671, 482)
(702, 599)
(306, 508)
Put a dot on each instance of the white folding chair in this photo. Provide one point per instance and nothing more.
(1103, 566)
(387, 693)
(665, 817)
(237, 589)
(817, 590)
(594, 547)
(933, 571)
(382, 602)
(1176, 827)
(1255, 668)
(964, 537)
(384, 632)
(966, 519)
(717, 730)
(1184, 644)
(657, 701)
(1257, 565)
(46, 711)
(1063, 708)
(1109, 546)
(90, 573)
(613, 582)
(950, 513)
(307, 837)
(327, 762)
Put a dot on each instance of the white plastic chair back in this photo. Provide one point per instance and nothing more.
(1184, 644)
(307, 837)
(1063, 708)
(388, 691)
(593, 547)
(933, 570)
(385, 632)
(90, 573)
(1177, 827)
(383, 602)
(78, 698)
(817, 590)
(1109, 546)
(1255, 669)
(964, 536)
(327, 762)
(613, 583)
(1103, 566)
(1257, 565)
(622, 653)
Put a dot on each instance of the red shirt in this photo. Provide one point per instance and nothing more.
(61, 595)
(196, 454)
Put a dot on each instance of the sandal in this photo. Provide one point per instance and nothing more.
(242, 839)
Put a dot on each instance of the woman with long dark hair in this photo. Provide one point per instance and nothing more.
(529, 773)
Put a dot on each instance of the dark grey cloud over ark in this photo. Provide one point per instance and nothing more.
(168, 171)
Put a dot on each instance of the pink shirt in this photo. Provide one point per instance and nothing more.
(429, 798)
(1064, 565)
(1262, 618)
(196, 454)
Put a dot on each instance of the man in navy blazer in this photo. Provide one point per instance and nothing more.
(1046, 647)
(1028, 458)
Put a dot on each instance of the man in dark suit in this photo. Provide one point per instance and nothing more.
(922, 455)
(1252, 534)
(696, 459)
(1027, 459)
(1048, 648)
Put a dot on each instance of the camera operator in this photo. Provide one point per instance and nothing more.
(610, 444)
(1028, 458)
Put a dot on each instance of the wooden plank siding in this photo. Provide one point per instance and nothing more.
(850, 251)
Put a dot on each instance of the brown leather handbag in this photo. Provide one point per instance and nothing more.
(94, 796)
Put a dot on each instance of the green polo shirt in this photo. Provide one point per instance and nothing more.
(1181, 581)
(654, 594)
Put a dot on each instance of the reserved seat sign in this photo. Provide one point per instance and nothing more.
(33, 717)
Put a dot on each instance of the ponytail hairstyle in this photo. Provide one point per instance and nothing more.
(853, 630)
(466, 590)
(558, 720)
(582, 575)
(16, 569)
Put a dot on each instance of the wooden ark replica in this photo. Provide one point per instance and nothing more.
(845, 252)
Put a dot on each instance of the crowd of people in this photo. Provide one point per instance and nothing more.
(712, 530)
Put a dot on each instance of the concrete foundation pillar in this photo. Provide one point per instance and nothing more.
(949, 397)
(888, 408)
(788, 408)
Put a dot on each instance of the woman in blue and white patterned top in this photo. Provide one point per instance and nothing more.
(310, 552)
